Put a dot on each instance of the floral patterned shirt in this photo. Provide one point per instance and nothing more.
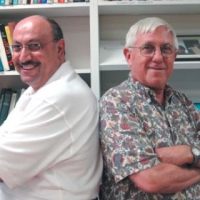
(132, 126)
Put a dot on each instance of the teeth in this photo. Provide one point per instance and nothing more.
(28, 67)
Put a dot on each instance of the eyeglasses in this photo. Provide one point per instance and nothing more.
(32, 46)
(149, 50)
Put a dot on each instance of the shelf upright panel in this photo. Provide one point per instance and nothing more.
(94, 48)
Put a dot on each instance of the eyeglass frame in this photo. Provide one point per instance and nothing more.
(40, 46)
(154, 50)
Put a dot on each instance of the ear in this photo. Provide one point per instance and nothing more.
(127, 54)
(61, 46)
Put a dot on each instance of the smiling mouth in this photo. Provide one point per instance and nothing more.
(156, 68)
(28, 65)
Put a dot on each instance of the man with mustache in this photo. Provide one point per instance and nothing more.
(49, 146)
(150, 133)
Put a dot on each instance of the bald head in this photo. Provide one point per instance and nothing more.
(40, 49)
(35, 25)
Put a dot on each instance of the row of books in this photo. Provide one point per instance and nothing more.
(25, 2)
(6, 31)
(8, 100)
(151, 1)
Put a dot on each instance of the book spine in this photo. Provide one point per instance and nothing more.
(1, 65)
(12, 24)
(5, 105)
(3, 56)
(6, 3)
(12, 102)
(3, 90)
(7, 47)
(9, 37)
(2, 2)
(15, 2)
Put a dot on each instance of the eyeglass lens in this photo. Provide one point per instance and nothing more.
(33, 46)
(166, 50)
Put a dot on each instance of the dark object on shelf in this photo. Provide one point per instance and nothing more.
(189, 48)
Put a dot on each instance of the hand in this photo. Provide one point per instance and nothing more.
(177, 155)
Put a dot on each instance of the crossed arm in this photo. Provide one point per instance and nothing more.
(170, 175)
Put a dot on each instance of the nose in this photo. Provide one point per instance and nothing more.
(157, 57)
(24, 54)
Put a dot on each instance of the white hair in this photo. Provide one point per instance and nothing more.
(148, 25)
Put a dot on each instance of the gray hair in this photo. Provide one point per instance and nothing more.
(148, 25)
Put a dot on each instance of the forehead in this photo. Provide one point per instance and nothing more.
(159, 35)
(32, 28)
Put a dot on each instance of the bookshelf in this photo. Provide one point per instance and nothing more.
(115, 19)
(87, 25)
(74, 20)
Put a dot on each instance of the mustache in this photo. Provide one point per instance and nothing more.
(24, 65)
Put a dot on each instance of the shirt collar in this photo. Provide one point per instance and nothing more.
(148, 93)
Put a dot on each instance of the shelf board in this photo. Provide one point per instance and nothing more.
(82, 71)
(15, 73)
(177, 65)
(127, 8)
(49, 10)
(9, 73)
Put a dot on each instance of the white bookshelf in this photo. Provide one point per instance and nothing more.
(87, 25)
(115, 19)
(74, 19)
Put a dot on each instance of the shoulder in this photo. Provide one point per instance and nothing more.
(66, 89)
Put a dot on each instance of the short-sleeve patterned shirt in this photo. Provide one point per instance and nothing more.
(132, 126)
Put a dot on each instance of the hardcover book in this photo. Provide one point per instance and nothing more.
(13, 101)
(1, 65)
(3, 56)
(5, 105)
(7, 47)
(9, 37)
(2, 2)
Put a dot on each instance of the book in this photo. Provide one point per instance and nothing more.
(5, 105)
(1, 65)
(3, 90)
(7, 2)
(12, 24)
(3, 55)
(6, 47)
(9, 37)
(12, 102)
(2, 2)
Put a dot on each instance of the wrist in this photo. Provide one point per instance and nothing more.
(195, 152)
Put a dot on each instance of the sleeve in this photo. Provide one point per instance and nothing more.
(126, 146)
(27, 137)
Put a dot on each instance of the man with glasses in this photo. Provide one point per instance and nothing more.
(49, 144)
(149, 132)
